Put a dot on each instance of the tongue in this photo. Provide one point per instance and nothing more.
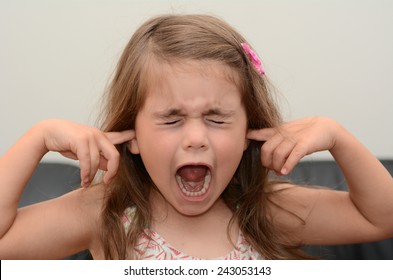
(193, 177)
(193, 173)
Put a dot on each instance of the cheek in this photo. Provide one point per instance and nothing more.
(230, 149)
(156, 151)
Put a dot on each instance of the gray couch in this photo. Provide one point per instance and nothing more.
(54, 179)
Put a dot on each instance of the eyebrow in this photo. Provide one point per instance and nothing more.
(219, 112)
(174, 112)
(169, 113)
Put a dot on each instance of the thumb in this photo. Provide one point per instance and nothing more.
(263, 134)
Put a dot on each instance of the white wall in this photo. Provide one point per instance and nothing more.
(331, 58)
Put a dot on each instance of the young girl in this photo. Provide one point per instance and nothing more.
(190, 135)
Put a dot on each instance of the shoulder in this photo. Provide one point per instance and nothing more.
(89, 202)
(82, 210)
(90, 198)
(292, 199)
(291, 205)
(301, 199)
(313, 215)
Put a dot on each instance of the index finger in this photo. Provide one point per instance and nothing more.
(263, 134)
(119, 137)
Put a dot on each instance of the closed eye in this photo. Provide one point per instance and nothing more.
(171, 122)
(219, 117)
(216, 121)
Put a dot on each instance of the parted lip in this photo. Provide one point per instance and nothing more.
(194, 164)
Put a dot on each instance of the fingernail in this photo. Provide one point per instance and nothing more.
(284, 171)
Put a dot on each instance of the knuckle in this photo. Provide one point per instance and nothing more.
(266, 149)
(83, 138)
(84, 155)
(280, 152)
(266, 161)
(300, 149)
(116, 154)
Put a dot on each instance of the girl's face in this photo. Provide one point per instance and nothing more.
(191, 134)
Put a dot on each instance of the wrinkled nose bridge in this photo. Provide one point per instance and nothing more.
(195, 134)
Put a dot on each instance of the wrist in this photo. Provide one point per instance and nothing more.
(37, 136)
(342, 140)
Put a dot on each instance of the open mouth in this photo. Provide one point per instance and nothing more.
(193, 180)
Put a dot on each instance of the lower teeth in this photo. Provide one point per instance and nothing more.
(198, 193)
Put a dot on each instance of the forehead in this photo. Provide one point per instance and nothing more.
(191, 79)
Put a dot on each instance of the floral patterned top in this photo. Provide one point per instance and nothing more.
(151, 246)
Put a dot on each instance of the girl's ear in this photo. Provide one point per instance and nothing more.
(133, 146)
(246, 144)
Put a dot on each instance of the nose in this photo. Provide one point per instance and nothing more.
(195, 136)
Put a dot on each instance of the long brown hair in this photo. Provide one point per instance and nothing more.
(171, 38)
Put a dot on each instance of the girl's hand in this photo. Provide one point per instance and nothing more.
(286, 145)
(93, 148)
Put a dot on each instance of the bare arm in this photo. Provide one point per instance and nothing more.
(370, 184)
(55, 228)
(64, 225)
(332, 217)
(16, 167)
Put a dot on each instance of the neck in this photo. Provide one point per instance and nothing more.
(191, 233)
(164, 212)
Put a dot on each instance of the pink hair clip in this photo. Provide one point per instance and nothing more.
(253, 58)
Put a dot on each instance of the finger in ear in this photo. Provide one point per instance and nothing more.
(133, 146)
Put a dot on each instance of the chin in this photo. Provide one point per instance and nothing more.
(193, 210)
